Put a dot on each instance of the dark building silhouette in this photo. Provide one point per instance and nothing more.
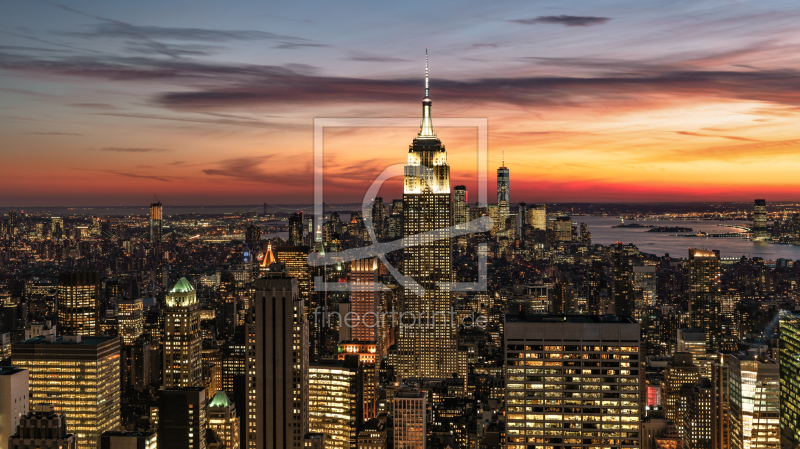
(182, 419)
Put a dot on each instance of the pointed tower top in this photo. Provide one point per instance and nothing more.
(426, 73)
(269, 257)
(426, 127)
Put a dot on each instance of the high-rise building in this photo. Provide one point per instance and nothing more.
(572, 380)
(754, 402)
(721, 411)
(460, 207)
(334, 408)
(503, 192)
(80, 376)
(364, 300)
(123, 439)
(77, 303)
(704, 297)
(182, 418)
(253, 237)
(222, 419)
(760, 220)
(537, 217)
(790, 377)
(277, 367)
(563, 229)
(623, 282)
(378, 217)
(156, 228)
(296, 229)
(130, 316)
(698, 426)
(183, 358)
(427, 349)
(295, 260)
(43, 427)
(644, 289)
(522, 217)
(681, 372)
(14, 399)
(410, 423)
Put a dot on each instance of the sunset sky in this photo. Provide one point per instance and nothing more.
(209, 102)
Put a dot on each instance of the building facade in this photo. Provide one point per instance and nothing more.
(790, 377)
(80, 376)
(572, 380)
(183, 358)
(14, 400)
(77, 303)
(43, 428)
(334, 405)
(182, 418)
(427, 350)
(704, 299)
(277, 367)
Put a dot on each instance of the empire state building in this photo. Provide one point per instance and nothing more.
(427, 339)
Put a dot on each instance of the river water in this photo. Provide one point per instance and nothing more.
(660, 243)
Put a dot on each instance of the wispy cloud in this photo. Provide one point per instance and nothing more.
(135, 150)
(52, 133)
(689, 133)
(94, 106)
(153, 177)
(570, 21)
(366, 57)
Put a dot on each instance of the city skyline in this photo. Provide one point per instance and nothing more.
(109, 103)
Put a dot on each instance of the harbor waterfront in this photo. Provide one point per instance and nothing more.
(604, 232)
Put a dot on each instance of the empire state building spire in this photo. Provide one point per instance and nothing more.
(426, 127)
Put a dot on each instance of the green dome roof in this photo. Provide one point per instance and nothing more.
(183, 286)
(220, 400)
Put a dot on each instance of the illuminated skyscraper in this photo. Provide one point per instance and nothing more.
(296, 229)
(80, 376)
(156, 228)
(277, 365)
(503, 191)
(183, 357)
(460, 208)
(295, 258)
(678, 374)
(130, 316)
(537, 217)
(760, 220)
(644, 289)
(754, 402)
(410, 423)
(77, 303)
(624, 303)
(364, 300)
(223, 421)
(334, 407)
(704, 298)
(563, 229)
(790, 377)
(561, 371)
(427, 349)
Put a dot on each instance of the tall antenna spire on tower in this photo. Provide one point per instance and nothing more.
(504, 156)
(426, 72)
